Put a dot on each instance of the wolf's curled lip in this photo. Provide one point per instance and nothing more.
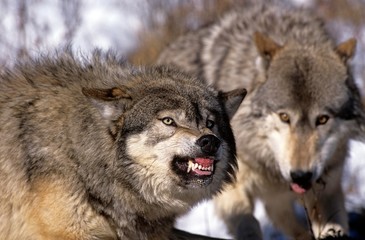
(194, 169)
(201, 166)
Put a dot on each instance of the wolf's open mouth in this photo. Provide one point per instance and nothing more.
(201, 166)
(193, 168)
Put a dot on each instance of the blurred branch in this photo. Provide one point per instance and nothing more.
(71, 17)
(22, 10)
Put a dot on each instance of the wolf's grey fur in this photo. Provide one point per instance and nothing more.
(94, 149)
(301, 109)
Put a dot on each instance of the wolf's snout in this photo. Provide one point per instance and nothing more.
(209, 144)
(302, 181)
(301, 177)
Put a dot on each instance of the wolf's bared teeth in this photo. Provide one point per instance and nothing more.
(190, 166)
(194, 166)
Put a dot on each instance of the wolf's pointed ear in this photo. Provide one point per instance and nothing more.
(266, 47)
(346, 49)
(232, 100)
(110, 102)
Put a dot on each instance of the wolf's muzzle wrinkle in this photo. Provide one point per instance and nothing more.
(209, 144)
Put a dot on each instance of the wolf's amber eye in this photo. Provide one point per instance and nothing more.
(168, 121)
(321, 120)
(210, 124)
(284, 117)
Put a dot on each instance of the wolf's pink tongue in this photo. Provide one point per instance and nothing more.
(297, 189)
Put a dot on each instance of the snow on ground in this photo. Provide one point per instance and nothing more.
(203, 220)
(354, 177)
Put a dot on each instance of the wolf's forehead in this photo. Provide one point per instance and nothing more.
(308, 80)
(186, 106)
(309, 67)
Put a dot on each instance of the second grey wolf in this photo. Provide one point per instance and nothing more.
(95, 149)
(292, 130)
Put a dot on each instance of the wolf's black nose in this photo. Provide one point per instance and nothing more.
(302, 178)
(209, 144)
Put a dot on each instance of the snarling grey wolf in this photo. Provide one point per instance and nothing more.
(92, 148)
(292, 130)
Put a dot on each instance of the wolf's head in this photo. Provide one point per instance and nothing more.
(174, 140)
(310, 105)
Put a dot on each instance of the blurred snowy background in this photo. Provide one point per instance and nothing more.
(139, 29)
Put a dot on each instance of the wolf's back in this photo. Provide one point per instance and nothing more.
(226, 49)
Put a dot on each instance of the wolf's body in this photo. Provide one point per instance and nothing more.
(292, 130)
(98, 150)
